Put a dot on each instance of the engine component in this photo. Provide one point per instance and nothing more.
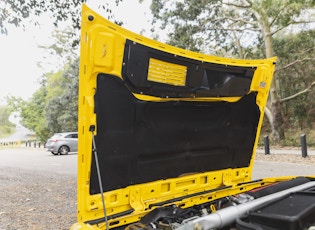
(228, 215)
(294, 211)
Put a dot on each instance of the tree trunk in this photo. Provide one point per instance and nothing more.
(277, 121)
(276, 109)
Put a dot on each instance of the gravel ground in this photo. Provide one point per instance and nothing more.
(35, 200)
(288, 158)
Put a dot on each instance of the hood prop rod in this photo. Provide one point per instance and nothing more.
(92, 129)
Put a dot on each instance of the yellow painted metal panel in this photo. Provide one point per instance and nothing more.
(102, 50)
(167, 73)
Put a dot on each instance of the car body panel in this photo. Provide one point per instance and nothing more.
(173, 127)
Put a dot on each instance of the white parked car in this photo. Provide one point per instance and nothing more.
(62, 143)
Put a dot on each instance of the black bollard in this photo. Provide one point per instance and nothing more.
(303, 145)
(266, 144)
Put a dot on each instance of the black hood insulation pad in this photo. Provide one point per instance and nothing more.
(143, 141)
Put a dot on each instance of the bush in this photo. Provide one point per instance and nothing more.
(6, 131)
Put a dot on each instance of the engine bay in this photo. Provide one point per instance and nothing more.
(285, 205)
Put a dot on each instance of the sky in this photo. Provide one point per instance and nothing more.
(18, 64)
(20, 55)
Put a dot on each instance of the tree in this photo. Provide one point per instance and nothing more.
(5, 112)
(21, 12)
(15, 12)
(53, 107)
(59, 52)
(6, 127)
(32, 112)
(296, 75)
(62, 105)
(235, 28)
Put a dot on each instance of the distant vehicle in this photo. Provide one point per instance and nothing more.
(62, 143)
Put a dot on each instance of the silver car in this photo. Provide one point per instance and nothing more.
(62, 143)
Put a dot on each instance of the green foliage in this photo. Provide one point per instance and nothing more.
(230, 28)
(60, 47)
(5, 131)
(5, 112)
(21, 12)
(296, 55)
(33, 111)
(54, 82)
(53, 107)
(61, 115)
(17, 11)
(6, 127)
(295, 45)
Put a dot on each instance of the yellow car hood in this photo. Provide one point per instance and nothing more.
(171, 126)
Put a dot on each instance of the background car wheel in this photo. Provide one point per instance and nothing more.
(64, 150)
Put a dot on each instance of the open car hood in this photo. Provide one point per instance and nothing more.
(173, 127)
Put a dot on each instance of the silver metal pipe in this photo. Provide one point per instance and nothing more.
(226, 216)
